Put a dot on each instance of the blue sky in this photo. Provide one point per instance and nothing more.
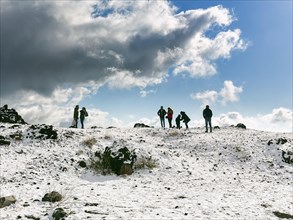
(249, 74)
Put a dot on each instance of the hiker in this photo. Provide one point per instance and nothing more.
(177, 120)
(75, 117)
(83, 114)
(185, 118)
(208, 114)
(170, 116)
(161, 113)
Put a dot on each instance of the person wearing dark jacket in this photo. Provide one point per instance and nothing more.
(75, 116)
(185, 118)
(208, 114)
(83, 114)
(178, 119)
(161, 113)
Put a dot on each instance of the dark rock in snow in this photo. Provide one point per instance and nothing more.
(283, 215)
(59, 214)
(82, 164)
(42, 132)
(3, 141)
(141, 125)
(118, 159)
(52, 197)
(282, 141)
(286, 157)
(240, 125)
(7, 201)
(10, 116)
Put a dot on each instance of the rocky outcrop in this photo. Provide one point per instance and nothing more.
(116, 159)
(42, 132)
(286, 148)
(10, 116)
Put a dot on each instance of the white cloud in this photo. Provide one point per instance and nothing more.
(145, 93)
(230, 92)
(208, 97)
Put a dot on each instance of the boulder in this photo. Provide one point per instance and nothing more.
(240, 125)
(7, 201)
(59, 214)
(141, 125)
(52, 197)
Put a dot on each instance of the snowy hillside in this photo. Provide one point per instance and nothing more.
(231, 173)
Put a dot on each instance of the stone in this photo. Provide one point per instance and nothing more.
(52, 197)
(283, 215)
(59, 214)
(42, 132)
(140, 125)
(240, 125)
(126, 169)
(116, 159)
(7, 201)
(82, 164)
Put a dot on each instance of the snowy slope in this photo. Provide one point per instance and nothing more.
(228, 174)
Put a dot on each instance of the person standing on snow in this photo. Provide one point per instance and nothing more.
(75, 116)
(161, 113)
(185, 118)
(83, 114)
(208, 114)
(170, 116)
(178, 119)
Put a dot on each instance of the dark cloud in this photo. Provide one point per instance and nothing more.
(40, 51)
(36, 52)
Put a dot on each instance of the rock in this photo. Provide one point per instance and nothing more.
(126, 169)
(141, 125)
(282, 141)
(117, 159)
(59, 214)
(7, 201)
(240, 125)
(216, 127)
(42, 132)
(283, 215)
(10, 116)
(52, 197)
(82, 164)
(3, 141)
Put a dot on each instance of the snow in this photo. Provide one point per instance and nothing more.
(228, 174)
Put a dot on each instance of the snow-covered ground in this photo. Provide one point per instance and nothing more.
(228, 174)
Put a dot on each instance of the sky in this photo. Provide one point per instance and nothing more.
(122, 60)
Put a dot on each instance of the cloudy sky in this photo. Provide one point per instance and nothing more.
(122, 60)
